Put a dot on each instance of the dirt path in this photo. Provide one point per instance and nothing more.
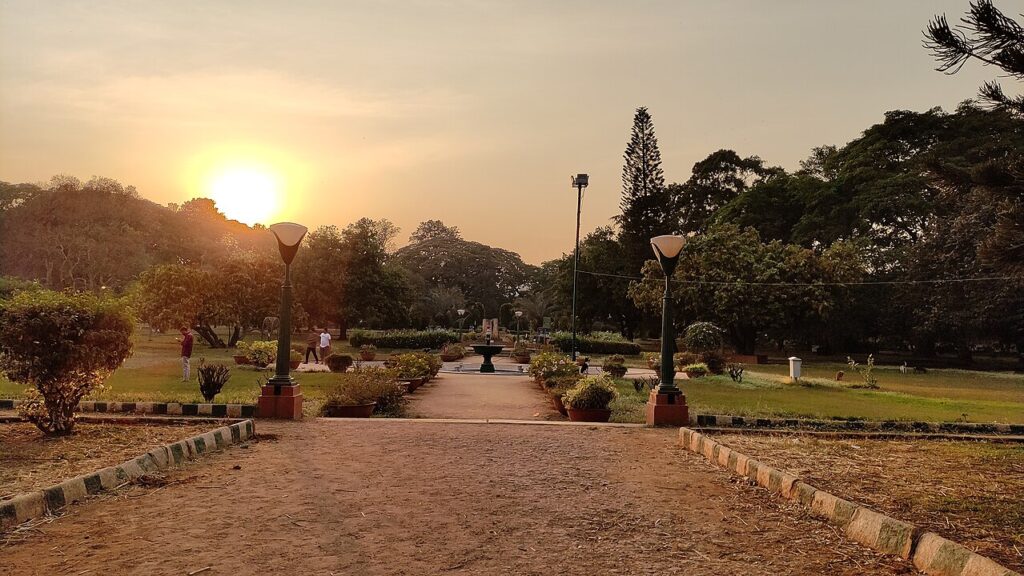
(401, 497)
(482, 396)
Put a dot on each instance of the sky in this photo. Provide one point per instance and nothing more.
(474, 112)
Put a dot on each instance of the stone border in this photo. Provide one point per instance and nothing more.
(930, 553)
(48, 500)
(726, 421)
(160, 408)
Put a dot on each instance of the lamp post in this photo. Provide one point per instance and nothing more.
(667, 404)
(519, 314)
(579, 182)
(280, 397)
(462, 321)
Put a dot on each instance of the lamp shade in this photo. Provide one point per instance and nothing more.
(580, 180)
(519, 313)
(288, 233)
(461, 311)
(667, 246)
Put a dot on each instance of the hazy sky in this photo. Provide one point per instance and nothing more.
(471, 111)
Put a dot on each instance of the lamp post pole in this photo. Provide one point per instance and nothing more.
(282, 376)
(519, 314)
(667, 404)
(462, 321)
(580, 181)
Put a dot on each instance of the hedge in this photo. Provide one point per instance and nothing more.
(591, 346)
(406, 339)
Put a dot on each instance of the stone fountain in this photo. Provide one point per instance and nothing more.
(487, 350)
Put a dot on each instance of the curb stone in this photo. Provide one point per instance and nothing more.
(160, 408)
(48, 500)
(931, 554)
(727, 421)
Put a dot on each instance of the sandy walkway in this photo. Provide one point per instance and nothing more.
(482, 396)
(401, 497)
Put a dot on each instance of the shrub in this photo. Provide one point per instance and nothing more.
(715, 361)
(453, 352)
(366, 385)
(260, 352)
(866, 372)
(548, 365)
(338, 362)
(403, 339)
(615, 365)
(702, 337)
(294, 356)
(591, 393)
(412, 365)
(653, 359)
(681, 359)
(521, 349)
(564, 381)
(589, 345)
(212, 378)
(63, 346)
(696, 370)
(367, 352)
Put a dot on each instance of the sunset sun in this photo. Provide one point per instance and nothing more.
(248, 194)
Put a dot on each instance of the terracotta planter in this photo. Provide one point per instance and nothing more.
(589, 414)
(450, 357)
(242, 360)
(522, 359)
(556, 401)
(357, 411)
(367, 356)
(294, 364)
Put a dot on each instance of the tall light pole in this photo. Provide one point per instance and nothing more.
(462, 320)
(519, 314)
(667, 404)
(280, 397)
(579, 182)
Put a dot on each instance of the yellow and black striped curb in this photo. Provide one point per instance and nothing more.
(930, 553)
(35, 504)
(726, 421)
(157, 408)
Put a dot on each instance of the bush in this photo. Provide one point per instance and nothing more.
(212, 378)
(615, 365)
(696, 370)
(63, 346)
(403, 339)
(260, 352)
(590, 345)
(562, 381)
(366, 385)
(367, 352)
(521, 348)
(702, 337)
(413, 365)
(591, 393)
(293, 356)
(653, 359)
(338, 362)
(453, 352)
(681, 359)
(547, 365)
(715, 361)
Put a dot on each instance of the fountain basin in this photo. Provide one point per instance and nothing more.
(487, 350)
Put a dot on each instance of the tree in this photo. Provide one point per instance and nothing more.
(85, 339)
(246, 289)
(986, 35)
(319, 271)
(647, 207)
(431, 229)
(175, 295)
(375, 291)
(716, 180)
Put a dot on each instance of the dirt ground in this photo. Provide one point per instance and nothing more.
(967, 491)
(406, 497)
(482, 396)
(31, 461)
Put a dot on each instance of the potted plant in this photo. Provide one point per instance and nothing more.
(294, 359)
(261, 353)
(452, 352)
(653, 360)
(683, 359)
(367, 352)
(588, 400)
(547, 365)
(557, 386)
(241, 357)
(521, 352)
(355, 397)
(615, 365)
(338, 362)
(697, 370)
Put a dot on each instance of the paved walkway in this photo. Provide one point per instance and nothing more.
(370, 497)
(482, 396)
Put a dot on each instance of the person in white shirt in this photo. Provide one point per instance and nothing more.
(325, 343)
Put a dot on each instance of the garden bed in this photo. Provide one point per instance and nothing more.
(30, 461)
(965, 491)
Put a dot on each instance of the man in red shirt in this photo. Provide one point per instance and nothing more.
(186, 352)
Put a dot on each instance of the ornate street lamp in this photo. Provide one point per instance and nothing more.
(667, 404)
(579, 182)
(280, 397)
(519, 314)
(462, 321)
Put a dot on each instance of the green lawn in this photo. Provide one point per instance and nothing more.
(153, 374)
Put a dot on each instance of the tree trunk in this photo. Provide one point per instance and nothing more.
(207, 333)
(234, 336)
(342, 329)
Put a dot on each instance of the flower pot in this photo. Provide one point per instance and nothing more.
(357, 411)
(589, 414)
(367, 356)
(556, 401)
(241, 359)
(450, 357)
(524, 359)
(293, 364)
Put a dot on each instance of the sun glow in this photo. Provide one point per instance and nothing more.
(248, 194)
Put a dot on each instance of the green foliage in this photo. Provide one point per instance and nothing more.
(293, 356)
(696, 370)
(260, 352)
(589, 345)
(338, 362)
(365, 385)
(63, 346)
(702, 337)
(212, 378)
(680, 359)
(455, 351)
(714, 360)
(866, 371)
(403, 339)
(615, 365)
(416, 365)
(521, 348)
(367, 351)
(547, 365)
(591, 393)
(559, 384)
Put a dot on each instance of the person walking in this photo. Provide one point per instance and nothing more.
(312, 341)
(325, 344)
(186, 352)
